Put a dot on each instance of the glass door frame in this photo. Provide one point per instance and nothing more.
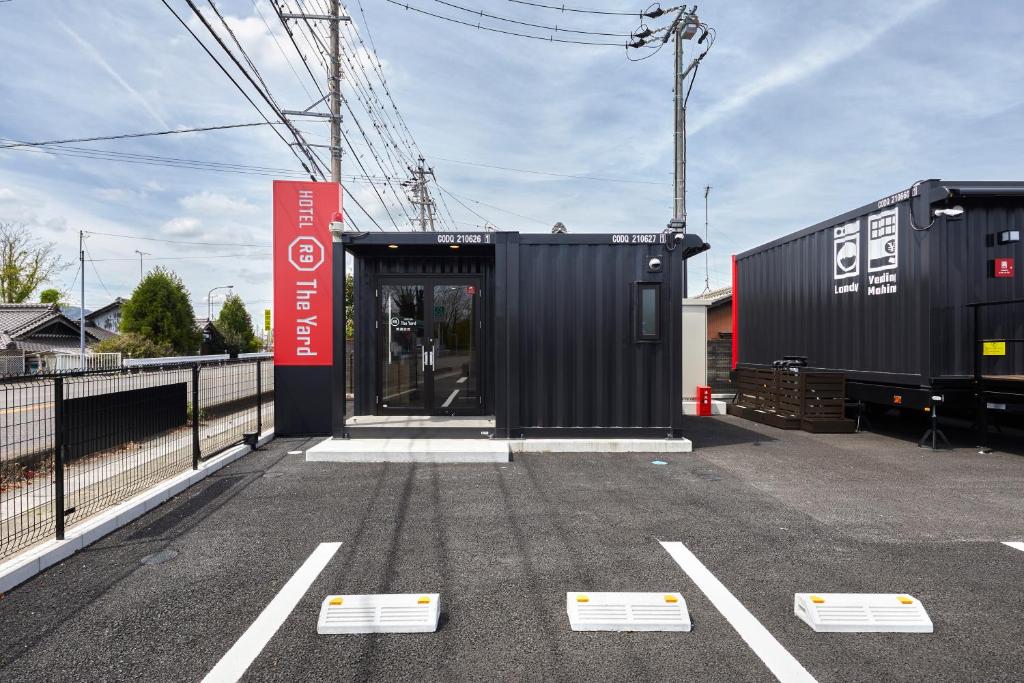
(428, 282)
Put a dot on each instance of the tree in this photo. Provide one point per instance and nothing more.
(134, 345)
(235, 324)
(160, 310)
(26, 262)
(51, 296)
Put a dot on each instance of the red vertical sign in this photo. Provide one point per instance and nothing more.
(303, 330)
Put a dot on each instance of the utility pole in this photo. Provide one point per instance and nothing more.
(81, 302)
(141, 254)
(334, 82)
(685, 29)
(420, 196)
(335, 93)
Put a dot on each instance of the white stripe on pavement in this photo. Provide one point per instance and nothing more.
(451, 398)
(1014, 544)
(234, 663)
(785, 667)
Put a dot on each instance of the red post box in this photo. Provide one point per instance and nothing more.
(703, 401)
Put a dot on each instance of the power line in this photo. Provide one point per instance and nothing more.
(95, 270)
(125, 136)
(549, 39)
(232, 78)
(649, 13)
(547, 173)
(153, 160)
(182, 258)
(158, 239)
(496, 208)
(556, 28)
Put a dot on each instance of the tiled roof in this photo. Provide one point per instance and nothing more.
(116, 303)
(15, 318)
(18, 321)
(717, 295)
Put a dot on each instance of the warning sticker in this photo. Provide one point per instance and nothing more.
(993, 348)
(846, 256)
(883, 252)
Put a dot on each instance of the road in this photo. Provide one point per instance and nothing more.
(768, 513)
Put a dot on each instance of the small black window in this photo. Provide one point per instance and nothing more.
(649, 310)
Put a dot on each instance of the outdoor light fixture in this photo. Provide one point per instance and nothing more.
(392, 246)
(453, 246)
(951, 212)
(1009, 236)
(337, 225)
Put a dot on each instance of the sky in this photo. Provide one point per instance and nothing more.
(800, 111)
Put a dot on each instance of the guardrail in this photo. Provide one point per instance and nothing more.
(75, 443)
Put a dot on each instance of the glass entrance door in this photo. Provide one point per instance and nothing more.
(454, 326)
(428, 346)
(401, 353)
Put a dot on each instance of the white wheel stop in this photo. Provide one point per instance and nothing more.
(627, 612)
(863, 612)
(396, 613)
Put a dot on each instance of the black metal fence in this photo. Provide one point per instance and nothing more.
(117, 433)
(720, 365)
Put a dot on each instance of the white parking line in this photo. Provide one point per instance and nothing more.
(461, 380)
(1014, 544)
(777, 658)
(234, 663)
(451, 398)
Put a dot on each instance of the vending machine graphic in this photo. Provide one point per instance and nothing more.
(883, 241)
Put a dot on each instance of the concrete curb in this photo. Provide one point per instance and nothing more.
(27, 564)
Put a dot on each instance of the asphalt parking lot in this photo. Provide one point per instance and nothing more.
(768, 513)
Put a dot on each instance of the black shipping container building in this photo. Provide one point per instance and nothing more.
(551, 334)
(900, 294)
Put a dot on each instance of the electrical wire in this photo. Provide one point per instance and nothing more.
(556, 28)
(233, 81)
(125, 136)
(159, 239)
(563, 8)
(85, 246)
(549, 39)
(555, 175)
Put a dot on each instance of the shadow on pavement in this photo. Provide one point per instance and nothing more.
(706, 432)
(911, 426)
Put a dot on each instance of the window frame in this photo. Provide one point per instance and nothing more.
(641, 287)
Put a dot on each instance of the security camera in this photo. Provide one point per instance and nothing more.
(654, 265)
(951, 212)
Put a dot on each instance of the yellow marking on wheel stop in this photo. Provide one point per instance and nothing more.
(905, 600)
(424, 600)
(582, 598)
(671, 598)
(817, 600)
(335, 601)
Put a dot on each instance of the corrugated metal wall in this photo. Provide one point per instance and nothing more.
(579, 362)
(922, 331)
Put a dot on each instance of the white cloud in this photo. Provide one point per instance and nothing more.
(98, 58)
(183, 226)
(6, 194)
(830, 49)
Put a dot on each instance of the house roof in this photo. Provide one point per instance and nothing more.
(116, 303)
(22, 324)
(717, 296)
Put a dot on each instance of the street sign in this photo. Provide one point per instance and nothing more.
(266, 320)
